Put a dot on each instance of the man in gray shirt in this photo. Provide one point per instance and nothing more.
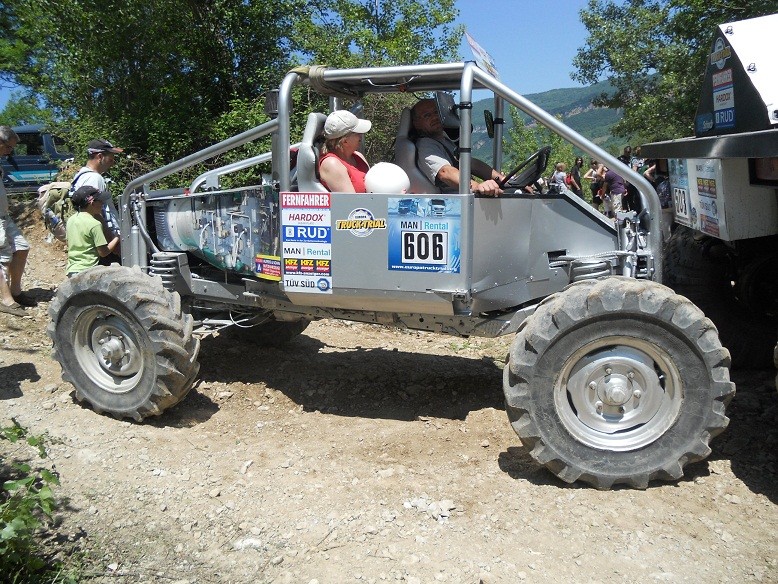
(438, 158)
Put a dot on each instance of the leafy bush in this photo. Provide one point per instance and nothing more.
(26, 503)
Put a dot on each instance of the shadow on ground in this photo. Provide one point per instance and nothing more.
(12, 376)
(750, 443)
(369, 383)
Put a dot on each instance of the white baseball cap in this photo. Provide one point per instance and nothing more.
(342, 122)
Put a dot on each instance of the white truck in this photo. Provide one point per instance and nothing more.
(723, 253)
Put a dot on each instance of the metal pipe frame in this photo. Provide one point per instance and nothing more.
(430, 77)
(207, 177)
(172, 168)
(649, 198)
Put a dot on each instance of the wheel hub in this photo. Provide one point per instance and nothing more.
(612, 395)
(115, 348)
(615, 390)
(112, 351)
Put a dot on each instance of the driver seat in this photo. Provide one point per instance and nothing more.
(406, 157)
(308, 155)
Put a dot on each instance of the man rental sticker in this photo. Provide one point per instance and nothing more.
(424, 234)
(306, 238)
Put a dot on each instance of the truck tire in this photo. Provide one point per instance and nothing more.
(123, 342)
(697, 267)
(775, 362)
(273, 333)
(617, 381)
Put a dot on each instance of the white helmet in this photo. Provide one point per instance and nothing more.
(385, 177)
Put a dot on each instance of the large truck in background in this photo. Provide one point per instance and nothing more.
(723, 253)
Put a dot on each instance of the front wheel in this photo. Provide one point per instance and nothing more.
(617, 381)
(123, 341)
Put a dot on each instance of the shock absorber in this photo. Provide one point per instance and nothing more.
(165, 265)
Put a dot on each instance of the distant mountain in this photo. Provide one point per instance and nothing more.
(575, 106)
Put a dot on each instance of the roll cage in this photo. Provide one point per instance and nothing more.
(339, 84)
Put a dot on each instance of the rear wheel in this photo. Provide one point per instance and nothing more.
(617, 381)
(123, 341)
(700, 268)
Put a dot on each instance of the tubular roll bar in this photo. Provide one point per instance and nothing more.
(143, 181)
(416, 78)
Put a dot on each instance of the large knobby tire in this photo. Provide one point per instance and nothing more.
(617, 381)
(272, 333)
(123, 342)
(698, 267)
(775, 362)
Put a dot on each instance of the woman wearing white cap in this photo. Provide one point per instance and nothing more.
(342, 169)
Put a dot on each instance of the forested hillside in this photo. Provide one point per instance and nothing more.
(574, 104)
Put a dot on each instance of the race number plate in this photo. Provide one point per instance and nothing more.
(681, 198)
(425, 247)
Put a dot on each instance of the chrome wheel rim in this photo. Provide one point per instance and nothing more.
(618, 393)
(107, 349)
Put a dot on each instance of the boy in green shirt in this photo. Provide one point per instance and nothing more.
(86, 240)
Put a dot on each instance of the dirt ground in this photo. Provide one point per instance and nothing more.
(364, 454)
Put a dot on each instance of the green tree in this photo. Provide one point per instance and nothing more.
(653, 52)
(361, 33)
(167, 77)
(367, 33)
(154, 77)
(24, 109)
(524, 140)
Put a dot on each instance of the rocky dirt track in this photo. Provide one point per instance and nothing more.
(364, 454)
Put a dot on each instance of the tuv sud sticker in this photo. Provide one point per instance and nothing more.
(306, 233)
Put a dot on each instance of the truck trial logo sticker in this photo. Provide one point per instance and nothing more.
(721, 52)
(360, 222)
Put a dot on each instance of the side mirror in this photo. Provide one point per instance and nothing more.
(271, 104)
(447, 109)
(489, 120)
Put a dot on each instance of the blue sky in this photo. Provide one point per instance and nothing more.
(532, 42)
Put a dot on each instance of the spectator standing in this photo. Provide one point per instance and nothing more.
(575, 177)
(14, 248)
(657, 174)
(101, 157)
(595, 183)
(637, 162)
(626, 155)
(558, 178)
(86, 231)
(614, 189)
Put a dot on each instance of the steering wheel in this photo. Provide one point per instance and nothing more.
(539, 161)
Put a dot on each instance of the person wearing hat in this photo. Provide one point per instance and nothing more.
(342, 168)
(101, 157)
(86, 240)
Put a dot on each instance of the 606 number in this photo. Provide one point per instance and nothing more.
(424, 247)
